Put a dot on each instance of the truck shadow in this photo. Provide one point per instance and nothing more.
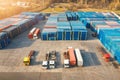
(90, 59)
(33, 60)
(58, 60)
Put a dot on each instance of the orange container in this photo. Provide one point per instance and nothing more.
(72, 57)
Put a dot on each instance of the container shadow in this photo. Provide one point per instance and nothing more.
(90, 59)
(20, 41)
(33, 60)
(89, 35)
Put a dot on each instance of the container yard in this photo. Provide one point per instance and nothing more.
(61, 46)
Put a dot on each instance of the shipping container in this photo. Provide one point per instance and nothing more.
(23, 25)
(75, 35)
(62, 19)
(67, 35)
(4, 40)
(69, 16)
(60, 34)
(12, 32)
(83, 35)
(79, 57)
(110, 38)
(49, 34)
(72, 57)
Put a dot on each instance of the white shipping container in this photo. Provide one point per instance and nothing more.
(32, 31)
(79, 57)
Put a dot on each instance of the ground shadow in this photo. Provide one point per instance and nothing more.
(58, 60)
(90, 59)
(89, 35)
(20, 41)
(33, 60)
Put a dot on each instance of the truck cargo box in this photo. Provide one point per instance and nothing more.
(72, 57)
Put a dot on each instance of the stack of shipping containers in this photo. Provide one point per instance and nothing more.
(63, 27)
(107, 26)
(13, 26)
(50, 28)
(110, 38)
(79, 31)
(64, 31)
(67, 27)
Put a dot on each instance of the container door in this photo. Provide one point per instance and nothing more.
(67, 35)
(75, 35)
(44, 36)
(84, 35)
(60, 35)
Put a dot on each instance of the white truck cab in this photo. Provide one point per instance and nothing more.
(66, 63)
(51, 64)
(35, 36)
(45, 64)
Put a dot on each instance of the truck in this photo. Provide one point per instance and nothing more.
(30, 35)
(28, 58)
(45, 62)
(78, 57)
(52, 59)
(36, 33)
(50, 62)
(106, 56)
(66, 60)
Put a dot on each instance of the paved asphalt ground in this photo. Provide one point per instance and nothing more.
(95, 68)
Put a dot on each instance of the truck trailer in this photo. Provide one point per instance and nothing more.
(27, 59)
(79, 57)
(71, 56)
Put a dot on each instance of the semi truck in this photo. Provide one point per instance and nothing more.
(36, 33)
(30, 35)
(69, 58)
(79, 58)
(66, 60)
(52, 59)
(27, 59)
(50, 62)
(45, 62)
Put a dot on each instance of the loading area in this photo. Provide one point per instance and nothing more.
(94, 67)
